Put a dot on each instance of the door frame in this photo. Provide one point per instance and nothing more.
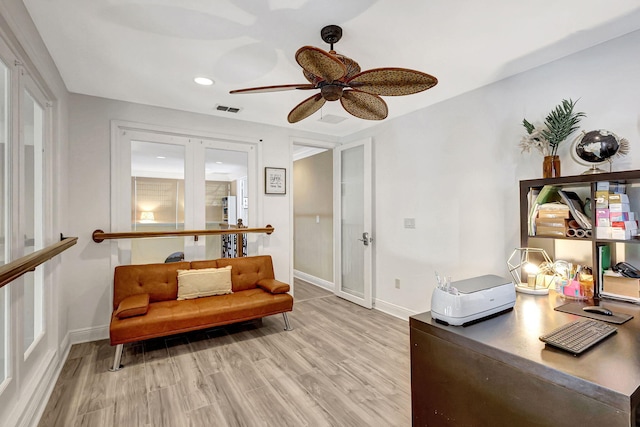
(307, 142)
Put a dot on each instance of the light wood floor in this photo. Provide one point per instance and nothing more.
(342, 365)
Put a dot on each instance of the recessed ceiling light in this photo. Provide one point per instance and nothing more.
(219, 163)
(160, 157)
(203, 81)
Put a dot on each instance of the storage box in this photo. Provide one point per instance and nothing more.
(621, 234)
(551, 231)
(552, 222)
(553, 213)
(602, 199)
(622, 216)
(625, 225)
(603, 217)
(617, 187)
(620, 285)
(619, 207)
(618, 198)
(603, 232)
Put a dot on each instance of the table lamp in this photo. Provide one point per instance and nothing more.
(534, 264)
(147, 217)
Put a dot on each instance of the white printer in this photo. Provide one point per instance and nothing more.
(471, 300)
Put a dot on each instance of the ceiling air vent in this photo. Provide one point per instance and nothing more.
(227, 109)
(330, 118)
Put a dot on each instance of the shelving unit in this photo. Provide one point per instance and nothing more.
(585, 249)
(229, 211)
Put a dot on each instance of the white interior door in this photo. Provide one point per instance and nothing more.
(353, 222)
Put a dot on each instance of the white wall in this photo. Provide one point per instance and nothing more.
(455, 168)
(88, 275)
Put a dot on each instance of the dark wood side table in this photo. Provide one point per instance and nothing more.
(498, 373)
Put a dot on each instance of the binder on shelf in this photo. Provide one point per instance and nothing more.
(548, 193)
(604, 262)
(604, 253)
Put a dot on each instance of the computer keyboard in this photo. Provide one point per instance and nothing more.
(579, 335)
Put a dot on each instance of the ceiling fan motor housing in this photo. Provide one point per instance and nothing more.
(331, 92)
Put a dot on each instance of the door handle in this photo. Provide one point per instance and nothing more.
(366, 239)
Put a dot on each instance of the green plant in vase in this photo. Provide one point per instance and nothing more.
(561, 122)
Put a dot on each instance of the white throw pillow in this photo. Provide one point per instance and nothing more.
(204, 282)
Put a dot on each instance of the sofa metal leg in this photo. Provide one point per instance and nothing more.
(287, 325)
(116, 359)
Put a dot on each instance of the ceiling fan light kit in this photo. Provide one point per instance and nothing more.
(340, 78)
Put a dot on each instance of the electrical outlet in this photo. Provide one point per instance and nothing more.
(397, 283)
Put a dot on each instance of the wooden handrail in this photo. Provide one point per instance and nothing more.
(99, 235)
(11, 271)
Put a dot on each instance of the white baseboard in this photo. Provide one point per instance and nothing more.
(392, 309)
(96, 333)
(385, 307)
(313, 280)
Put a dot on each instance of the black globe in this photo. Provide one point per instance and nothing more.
(597, 146)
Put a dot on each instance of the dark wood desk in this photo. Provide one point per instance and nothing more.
(498, 373)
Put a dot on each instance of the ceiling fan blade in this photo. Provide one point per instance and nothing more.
(392, 81)
(302, 86)
(364, 105)
(306, 108)
(320, 63)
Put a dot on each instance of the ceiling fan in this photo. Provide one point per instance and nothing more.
(339, 78)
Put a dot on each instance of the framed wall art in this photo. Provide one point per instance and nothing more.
(275, 181)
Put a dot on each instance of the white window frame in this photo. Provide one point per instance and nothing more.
(26, 369)
(42, 213)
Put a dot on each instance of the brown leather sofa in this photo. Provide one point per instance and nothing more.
(145, 303)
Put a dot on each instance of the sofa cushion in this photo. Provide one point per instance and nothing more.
(160, 281)
(204, 282)
(134, 305)
(247, 271)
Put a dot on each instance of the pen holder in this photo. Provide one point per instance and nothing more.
(575, 290)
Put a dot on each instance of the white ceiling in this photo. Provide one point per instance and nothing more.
(149, 51)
